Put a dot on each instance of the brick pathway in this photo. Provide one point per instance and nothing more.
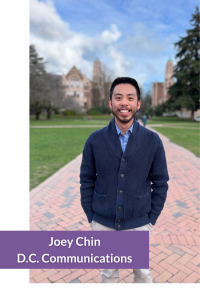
(175, 243)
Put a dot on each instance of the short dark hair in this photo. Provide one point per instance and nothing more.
(125, 80)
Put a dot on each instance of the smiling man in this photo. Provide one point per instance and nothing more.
(123, 173)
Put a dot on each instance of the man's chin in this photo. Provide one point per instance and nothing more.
(125, 121)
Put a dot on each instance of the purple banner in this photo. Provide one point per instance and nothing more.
(74, 249)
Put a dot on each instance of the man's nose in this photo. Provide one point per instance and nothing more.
(124, 102)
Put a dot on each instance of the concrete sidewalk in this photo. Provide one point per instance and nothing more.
(175, 243)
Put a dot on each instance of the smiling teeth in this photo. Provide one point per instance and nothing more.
(124, 111)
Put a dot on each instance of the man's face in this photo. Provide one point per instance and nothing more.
(124, 104)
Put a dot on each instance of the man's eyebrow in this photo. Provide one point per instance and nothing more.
(117, 94)
(132, 94)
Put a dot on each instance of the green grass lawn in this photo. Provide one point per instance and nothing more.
(68, 122)
(170, 119)
(51, 149)
(175, 124)
(187, 138)
(75, 120)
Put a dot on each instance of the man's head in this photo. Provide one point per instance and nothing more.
(129, 80)
(124, 99)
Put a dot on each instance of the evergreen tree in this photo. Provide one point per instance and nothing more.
(37, 80)
(185, 92)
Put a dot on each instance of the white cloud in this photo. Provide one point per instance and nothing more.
(142, 55)
(143, 42)
(46, 23)
(63, 48)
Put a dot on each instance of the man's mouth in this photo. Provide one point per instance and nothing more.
(124, 111)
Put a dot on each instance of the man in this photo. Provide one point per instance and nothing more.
(123, 173)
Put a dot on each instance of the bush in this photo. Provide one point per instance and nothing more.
(99, 110)
(159, 110)
(56, 111)
(69, 112)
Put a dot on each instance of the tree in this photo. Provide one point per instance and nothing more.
(107, 79)
(101, 89)
(37, 72)
(53, 93)
(146, 100)
(160, 109)
(72, 104)
(46, 90)
(96, 95)
(185, 92)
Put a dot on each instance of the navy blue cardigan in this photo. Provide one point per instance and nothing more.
(123, 190)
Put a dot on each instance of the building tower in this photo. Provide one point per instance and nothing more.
(97, 73)
(169, 80)
(97, 85)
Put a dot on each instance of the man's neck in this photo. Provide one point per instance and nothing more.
(124, 126)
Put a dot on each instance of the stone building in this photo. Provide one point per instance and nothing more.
(81, 88)
(160, 89)
(160, 92)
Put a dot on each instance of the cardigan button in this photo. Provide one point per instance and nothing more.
(119, 226)
(123, 159)
(119, 208)
(119, 220)
(121, 192)
(122, 175)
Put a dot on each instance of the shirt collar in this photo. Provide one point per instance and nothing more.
(119, 131)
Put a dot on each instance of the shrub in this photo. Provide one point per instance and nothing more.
(56, 111)
(99, 110)
(69, 112)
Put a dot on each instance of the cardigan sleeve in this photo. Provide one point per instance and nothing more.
(159, 177)
(87, 179)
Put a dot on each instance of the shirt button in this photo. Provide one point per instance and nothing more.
(123, 159)
(119, 220)
(122, 175)
(119, 208)
(120, 191)
(119, 226)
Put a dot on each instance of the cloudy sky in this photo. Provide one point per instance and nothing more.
(130, 39)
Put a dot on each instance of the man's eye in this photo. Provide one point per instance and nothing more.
(130, 98)
(118, 98)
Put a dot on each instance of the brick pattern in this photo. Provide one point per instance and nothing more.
(174, 251)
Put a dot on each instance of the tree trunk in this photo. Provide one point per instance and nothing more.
(48, 113)
(37, 115)
(192, 116)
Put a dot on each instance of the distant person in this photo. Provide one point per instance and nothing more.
(123, 173)
(144, 120)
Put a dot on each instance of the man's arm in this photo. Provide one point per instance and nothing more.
(87, 180)
(159, 177)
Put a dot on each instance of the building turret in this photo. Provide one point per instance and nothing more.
(169, 80)
(97, 73)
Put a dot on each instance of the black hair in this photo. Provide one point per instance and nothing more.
(125, 80)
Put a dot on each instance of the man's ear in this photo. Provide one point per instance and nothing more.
(110, 103)
(138, 104)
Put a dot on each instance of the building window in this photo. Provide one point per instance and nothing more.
(67, 93)
(74, 82)
(77, 94)
(81, 83)
(67, 83)
(81, 94)
(72, 93)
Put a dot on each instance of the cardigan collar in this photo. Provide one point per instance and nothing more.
(113, 142)
(120, 132)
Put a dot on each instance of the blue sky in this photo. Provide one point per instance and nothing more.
(130, 39)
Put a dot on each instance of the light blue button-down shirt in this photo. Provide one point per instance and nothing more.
(124, 137)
